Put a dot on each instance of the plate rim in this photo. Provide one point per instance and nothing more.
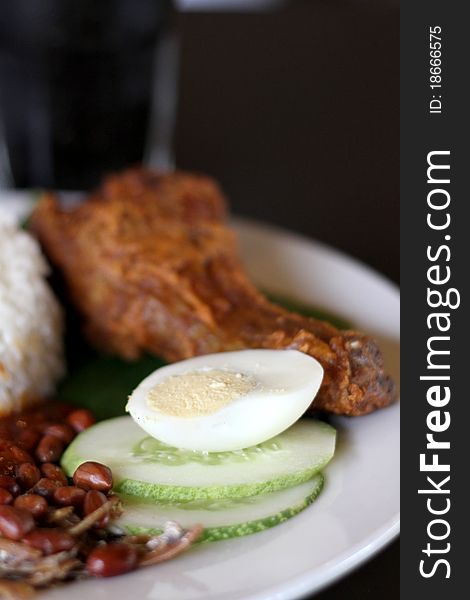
(336, 569)
(277, 230)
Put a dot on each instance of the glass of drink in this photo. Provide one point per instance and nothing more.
(78, 80)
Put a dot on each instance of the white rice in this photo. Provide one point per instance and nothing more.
(31, 324)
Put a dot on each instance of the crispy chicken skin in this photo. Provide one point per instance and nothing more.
(152, 266)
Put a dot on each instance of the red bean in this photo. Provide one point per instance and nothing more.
(9, 483)
(93, 476)
(93, 501)
(111, 560)
(28, 439)
(5, 443)
(54, 472)
(20, 455)
(69, 495)
(50, 540)
(27, 475)
(45, 487)
(15, 523)
(9, 451)
(7, 465)
(35, 504)
(80, 419)
(61, 430)
(5, 496)
(49, 449)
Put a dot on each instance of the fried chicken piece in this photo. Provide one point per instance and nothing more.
(152, 266)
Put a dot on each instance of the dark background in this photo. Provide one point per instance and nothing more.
(296, 113)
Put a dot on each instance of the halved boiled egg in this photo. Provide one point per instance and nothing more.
(226, 401)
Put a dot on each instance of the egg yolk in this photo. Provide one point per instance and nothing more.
(198, 393)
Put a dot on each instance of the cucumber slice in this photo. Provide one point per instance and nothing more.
(222, 519)
(145, 467)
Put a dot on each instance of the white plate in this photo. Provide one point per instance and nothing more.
(358, 511)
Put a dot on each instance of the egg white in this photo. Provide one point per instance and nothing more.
(287, 382)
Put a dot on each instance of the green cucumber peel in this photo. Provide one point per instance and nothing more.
(175, 493)
(225, 532)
